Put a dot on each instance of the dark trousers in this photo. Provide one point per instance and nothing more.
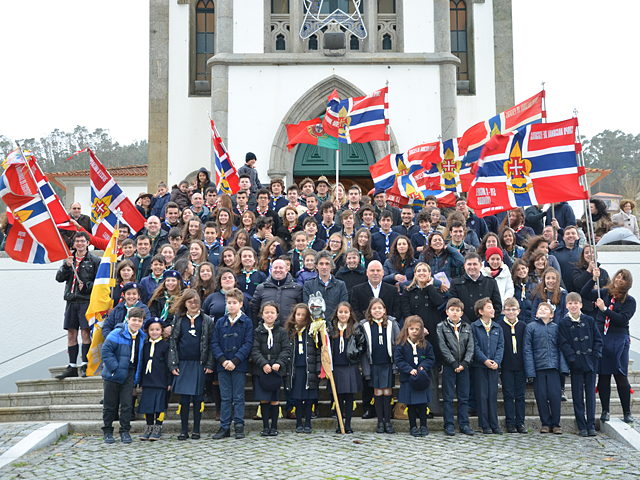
(434, 404)
(232, 394)
(486, 385)
(584, 385)
(115, 393)
(514, 390)
(548, 392)
(367, 394)
(453, 382)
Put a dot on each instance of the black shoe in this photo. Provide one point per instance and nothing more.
(125, 437)
(592, 433)
(414, 432)
(299, 429)
(264, 433)
(564, 397)
(424, 431)
(605, 417)
(511, 429)
(487, 431)
(207, 398)
(449, 431)
(369, 414)
(183, 436)
(583, 433)
(473, 412)
(348, 430)
(195, 436)
(314, 414)
(380, 428)
(70, 372)
(273, 432)
(467, 430)
(108, 438)
(239, 430)
(82, 371)
(307, 430)
(497, 431)
(388, 428)
(222, 433)
(521, 429)
(628, 418)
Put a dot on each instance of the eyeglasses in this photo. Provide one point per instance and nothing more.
(510, 309)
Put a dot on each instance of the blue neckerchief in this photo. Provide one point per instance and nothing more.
(328, 229)
(386, 241)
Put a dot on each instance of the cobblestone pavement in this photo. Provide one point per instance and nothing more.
(12, 433)
(325, 455)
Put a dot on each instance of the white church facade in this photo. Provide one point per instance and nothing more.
(448, 64)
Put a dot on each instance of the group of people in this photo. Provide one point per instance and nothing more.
(216, 287)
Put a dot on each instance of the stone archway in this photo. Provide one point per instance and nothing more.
(310, 105)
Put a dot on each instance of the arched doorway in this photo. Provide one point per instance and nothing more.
(355, 159)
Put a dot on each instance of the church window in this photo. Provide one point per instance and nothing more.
(386, 6)
(386, 42)
(313, 42)
(280, 43)
(354, 43)
(347, 6)
(280, 6)
(205, 37)
(458, 12)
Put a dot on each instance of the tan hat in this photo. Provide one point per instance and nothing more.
(323, 179)
(142, 195)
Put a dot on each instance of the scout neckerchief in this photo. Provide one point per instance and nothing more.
(167, 302)
(455, 327)
(487, 327)
(142, 259)
(514, 342)
(354, 210)
(234, 319)
(291, 228)
(414, 347)
(362, 260)
(210, 246)
(133, 345)
(300, 340)
(192, 319)
(261, 240)
(341, 328)
(513, 255)
(348, 237)
(151, 352)
(386, 240)
(75, 271)
(380, 336)
(222, 240)
(310, 243)
(457, 247)
(310, 213)
(270, 337)
(275, 200)
(300, 259)
(574, 320)
(156, 279)
(262, 214)
(247, 274)
(523, 293)
(607, 320)
(327, 229)
(240, 212)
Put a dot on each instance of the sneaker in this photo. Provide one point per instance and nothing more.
(147, 433)
(273, 432)
(239, 430)
(380, 428)
(628, 418)
(583, 433)
(605, 417)
(511, 429)
(307, 430)
(521, 429)
(449, 431)
(564, 397)
(125, 437)
(108, 438)
(222, 433)
(264, 433)
(557, 430)
(467, 430)
(156, 433)
(545, 429)
(388, 428)
(592, 433)
(424, 431)
(68, 373)
(414, 432)
(497, 431)
(299, 429)
(82, 371)
(487, 431)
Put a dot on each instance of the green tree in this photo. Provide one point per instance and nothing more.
(617, 151)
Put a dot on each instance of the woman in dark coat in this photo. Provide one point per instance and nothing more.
(582, 273)
(615, 307)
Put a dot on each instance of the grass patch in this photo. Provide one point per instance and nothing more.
(62, 438)
(20, 464)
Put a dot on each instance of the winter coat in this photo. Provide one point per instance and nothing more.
(513, 361)
(514, 255)
(303, 275)
(392, 336)
(580, 278)
(559, 311)
(407, 232)
(279, 353)
(118, 315)
(503, 279)
(351, 278)
(424, 302)
(450, 267)
(158, 205)
(525, 297)
(403, 358)
(362, 294)
(487, 346)
(563, 214)
(469, 292)
(567, 258)
(213, 252)
(87, 271)
(149, 285)
(253, 176)
(215, 305)
(456, 352)
(541, 348)
(286, 294)
(160, 376)
(629, 220)
(314, 361)
(206, 358)
(208, 183)
(408, 271)
(478, 225)
(333, 294)
(619, 316)
(116, 355)
(180, 197)
(233, 342)
(356, 344)
(249, 288)
(581, 343)
(534, 218)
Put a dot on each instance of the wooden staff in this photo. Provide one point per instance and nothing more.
(326, 364)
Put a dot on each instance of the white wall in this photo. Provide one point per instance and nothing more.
(248, 25)
(418, 26)
(79, 190)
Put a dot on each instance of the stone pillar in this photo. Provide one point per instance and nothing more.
(158, 93)
(370, 18)
(220, 73)
(448, 85)
(503, 54)
(296, 16)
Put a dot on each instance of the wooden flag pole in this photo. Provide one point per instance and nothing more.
(326, 364)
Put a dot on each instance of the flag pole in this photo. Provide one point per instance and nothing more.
(26, 162)
(545, 120)
(387, 125)
(337, 167)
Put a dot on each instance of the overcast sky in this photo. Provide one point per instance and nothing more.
(84, 62)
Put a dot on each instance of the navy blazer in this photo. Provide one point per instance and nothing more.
(487, 347)
(403, 359)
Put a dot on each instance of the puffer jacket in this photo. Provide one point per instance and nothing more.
(487, 346)
(456, 352)
(206, 357)
(86, 274)
(118, 315)
(314, 362)
(393, 330)
(286, 294)
(541, 349)
(581, 343)
(279, 353)
(116, 355)
(356, 344)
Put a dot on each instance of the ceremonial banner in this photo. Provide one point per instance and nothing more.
(310, 132)
(226, 172)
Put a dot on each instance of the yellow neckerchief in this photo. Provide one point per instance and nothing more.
(486, 327)
(514, 342)
(300, 340)
(575, 320)
(151, 352)
(455, 327)
(414, 346)
(341, 328)
(133, 344)
(380, 337)
(270, 333)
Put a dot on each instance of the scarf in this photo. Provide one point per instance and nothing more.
(492, 272)
(386, 241)
(248, 277)
(514, 342)
(300, 340)
(270, 337)
(607, 320)
(262, 214)
(380, 336)
(133, 344)
(167, 303)
(327, 229)
(75, 271)
(414, 347)
(455, 327)
(275, 200)
(192, 319)
(151, 352)
(341, 328)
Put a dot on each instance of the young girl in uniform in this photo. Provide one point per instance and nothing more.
(347, 346)
(377, 366)
(204, 280)
(190, 358)
(271, 352)
(155, 379)
(125, 273)
(304, 366)
(414, 355)
(247, 273)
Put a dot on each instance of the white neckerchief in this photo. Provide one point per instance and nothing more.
(342, 327)
(455, 327)
(270, 337)
(192, 319)
(300, 341)
(380, 336)
(151, 352)
(414, 346)
(133, 344)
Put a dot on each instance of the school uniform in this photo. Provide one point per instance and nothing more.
(488, 344)
(514, 380)
(156, 377)
(408, 357)
(269, 348)
(581, 344)
(306, 363)
(325, 231)
(377, 364)
(248, 281)
(346, 356)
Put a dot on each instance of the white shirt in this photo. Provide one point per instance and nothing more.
(376, 290)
